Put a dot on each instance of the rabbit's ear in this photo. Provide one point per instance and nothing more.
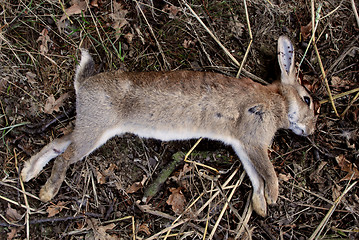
(286, 60)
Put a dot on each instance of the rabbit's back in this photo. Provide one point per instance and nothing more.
(182, 104)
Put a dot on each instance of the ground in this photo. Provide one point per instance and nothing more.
(101, 197)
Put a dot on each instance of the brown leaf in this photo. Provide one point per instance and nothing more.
(129, 36)
(12, 233)
(45, 40)
(336, 192)
(186, 168)
(12, 214)
(284, 177)
(177, 200)
(171, 10)
(144, 228)
(306, 30)
(187, 43)
(347, 166)
(54, 105)
(316, 176)
(31, 77)
(55, 209)
(76, 8)
(137, 185)
(101, 179)
(100, 231)
(118, 16)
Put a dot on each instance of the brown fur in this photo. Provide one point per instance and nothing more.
(181, 105)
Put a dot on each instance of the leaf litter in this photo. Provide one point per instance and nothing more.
(311, 170)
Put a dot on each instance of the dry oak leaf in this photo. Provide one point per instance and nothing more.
(118, 17)
(134, 187)
(144, 228)
(137, 185)
(45, 40)
(55, 209)
(76, 8)
(52, 105)
(12, 214)
(100, 231)
(306, 30)
(347, 166)
(171, 10)
(12, 233)
(177, 200)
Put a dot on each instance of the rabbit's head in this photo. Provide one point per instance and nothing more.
(302, 110)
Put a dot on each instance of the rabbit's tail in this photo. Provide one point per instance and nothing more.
(85, 68)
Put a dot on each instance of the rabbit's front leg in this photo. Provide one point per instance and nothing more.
(258, 199)
(261, 162)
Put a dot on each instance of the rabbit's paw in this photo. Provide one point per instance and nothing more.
(28, 173)
(259, 204)
(271, 191)
(47, 192)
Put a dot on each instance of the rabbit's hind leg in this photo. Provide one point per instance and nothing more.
(84, 142)
(37, 162)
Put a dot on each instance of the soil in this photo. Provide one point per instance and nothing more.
(101, 197)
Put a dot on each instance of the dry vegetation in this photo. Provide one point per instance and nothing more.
(101, 197)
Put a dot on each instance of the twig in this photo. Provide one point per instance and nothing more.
(349, 105)
(355, 11)
(250, 42)
(224, 208)
(247, 213)
(52, 220)
(167, 65)
(27, 216)
(320, 228)
(340, 95)
(314, 20)
(258, 79)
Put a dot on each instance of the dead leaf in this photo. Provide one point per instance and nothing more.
(45, 40)
(186, 168)
(306, 30)
(177, 200)
(94, 3)
(187, 43)
(236, 26)
(129, 36)
(134, 187)
(109, 171)
(12, 233)
(76, 8)
(101, 234)
(144, 228)
(118, 17)
(336, 192)
(316, 176)
(31, 77)
(12, 214)
(347, 166)
(100, 231)
(67, 129)
(284, 177)
(54, 105)
(101, 179)
(137, 185)
(55, 209)
(171, 10)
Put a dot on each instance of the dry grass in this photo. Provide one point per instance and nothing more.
(319, 197)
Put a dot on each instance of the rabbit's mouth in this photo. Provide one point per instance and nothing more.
(297, 129)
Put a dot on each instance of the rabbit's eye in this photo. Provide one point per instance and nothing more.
(306, 100)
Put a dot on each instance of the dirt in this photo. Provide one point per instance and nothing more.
(39, 52)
